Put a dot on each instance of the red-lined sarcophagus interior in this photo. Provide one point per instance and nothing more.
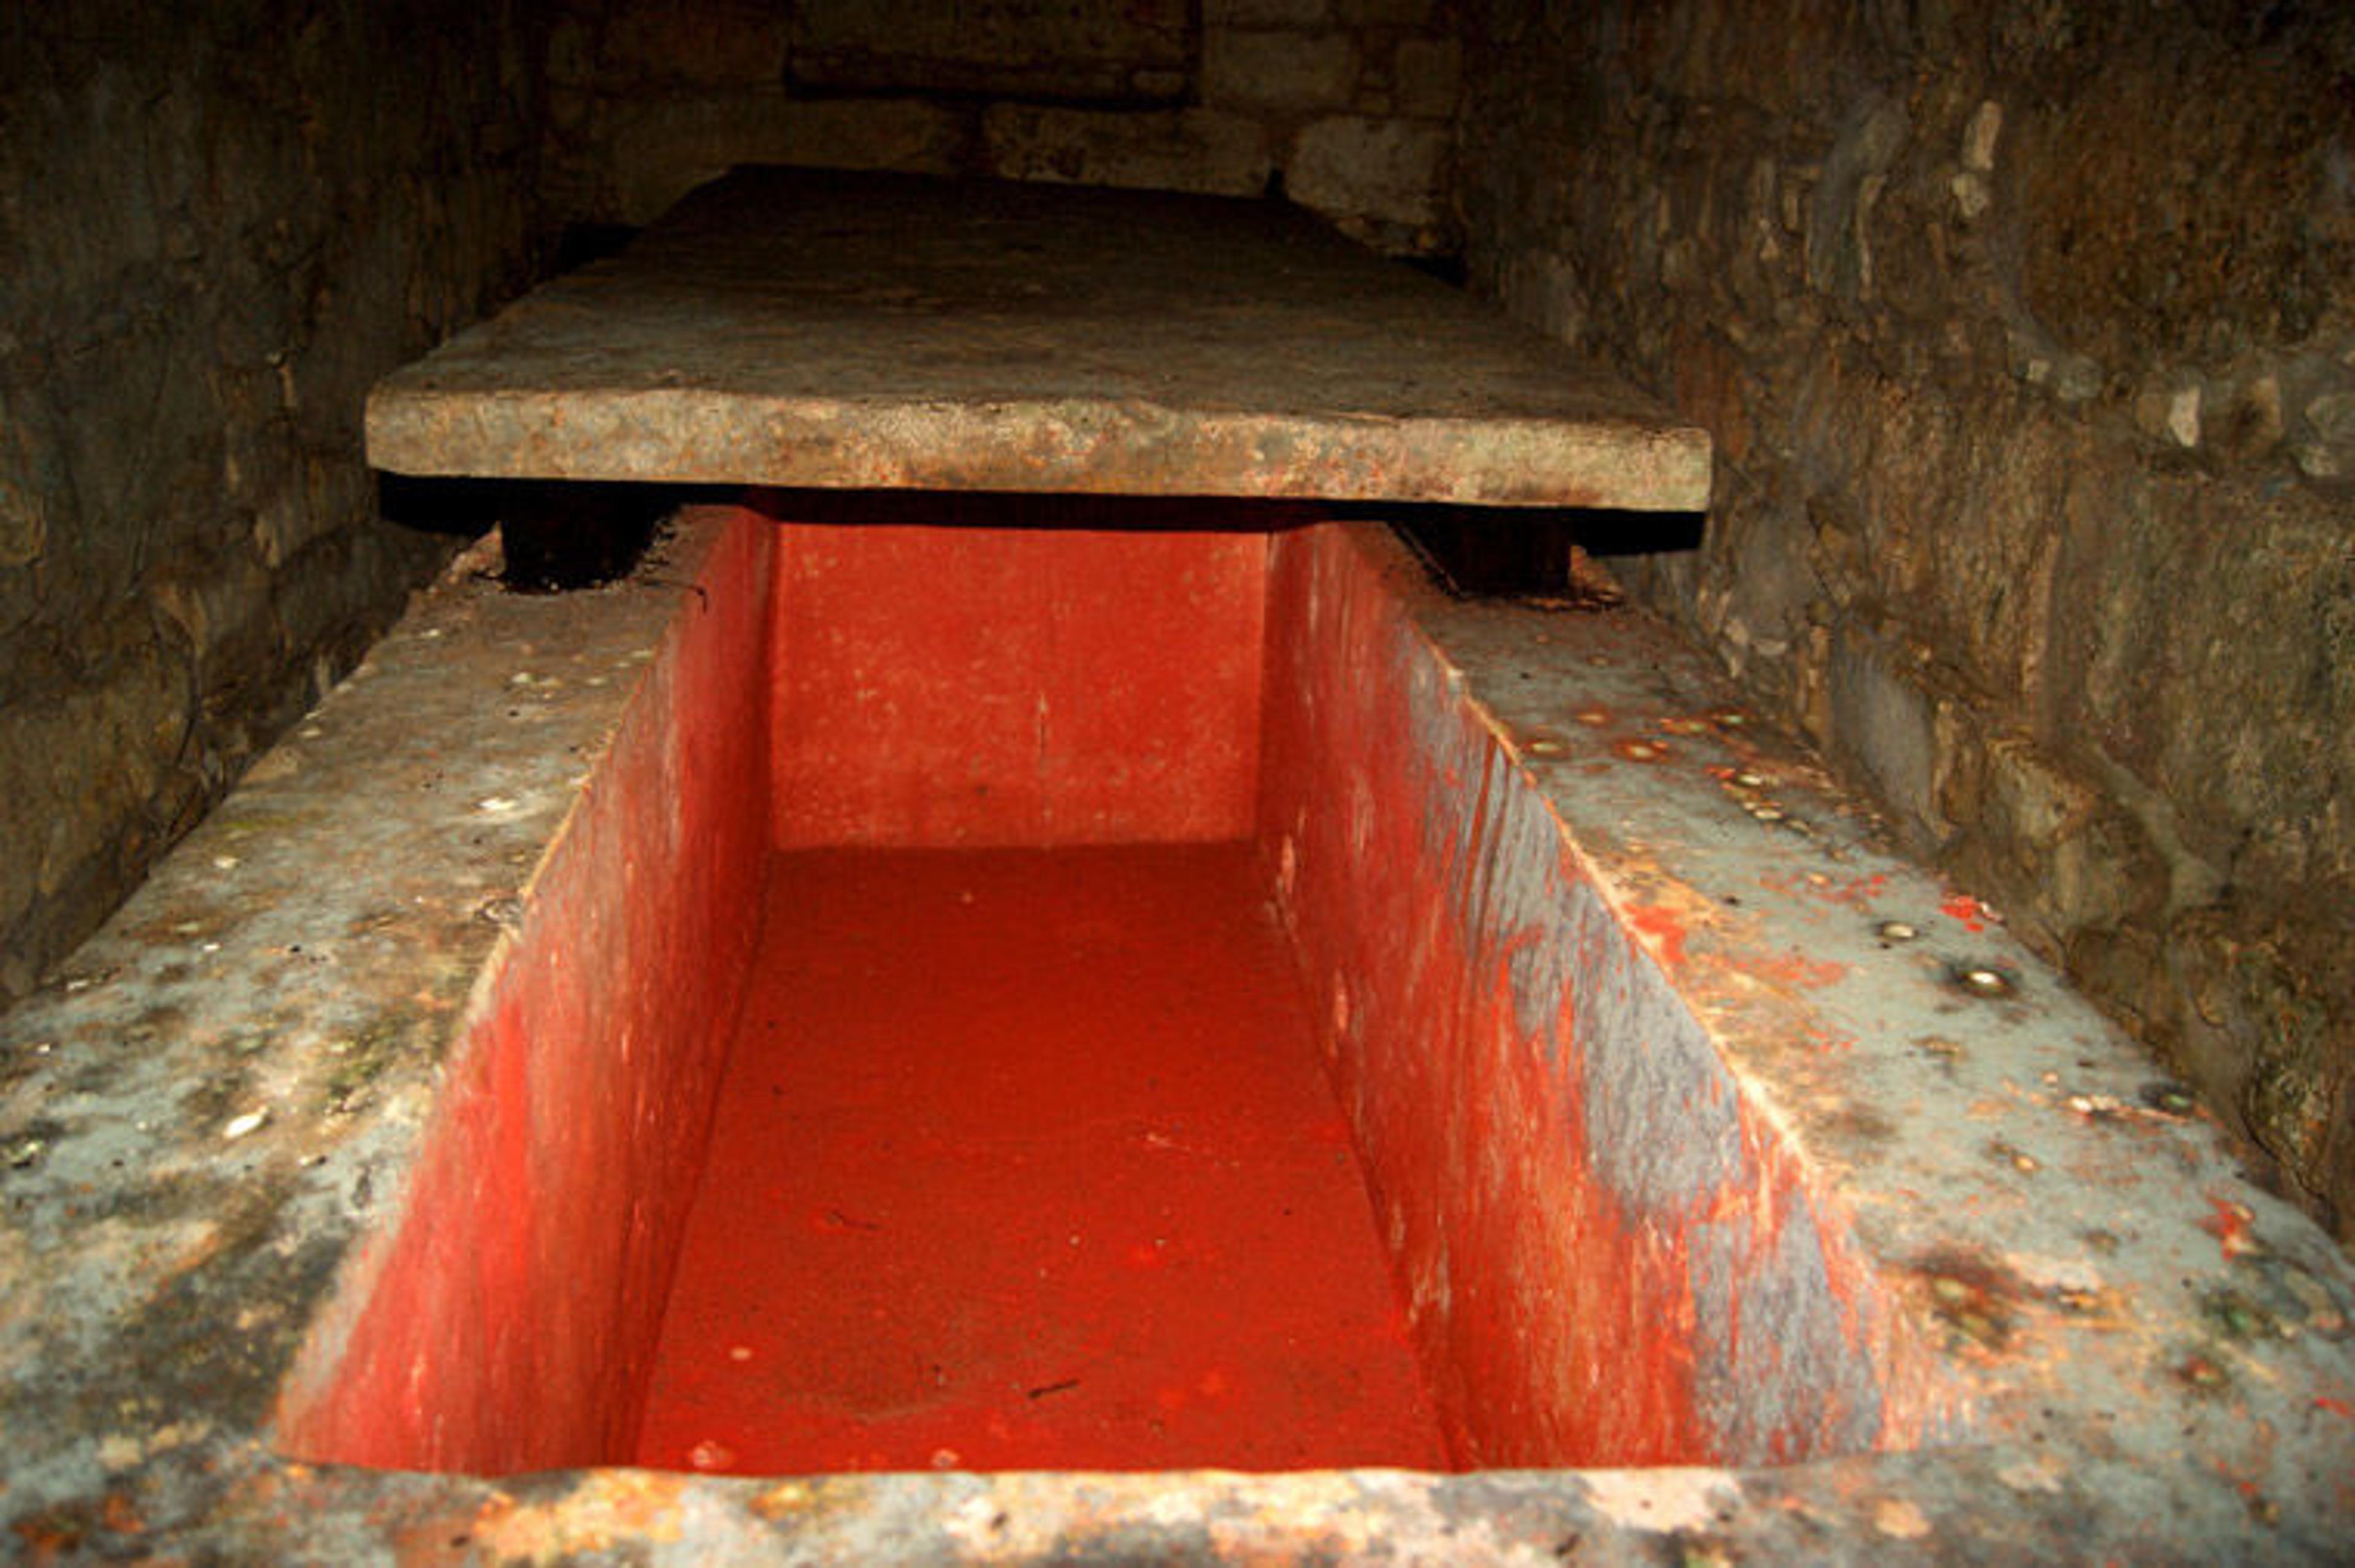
(1030, 940)
(1022, 984)
(1169, 1031)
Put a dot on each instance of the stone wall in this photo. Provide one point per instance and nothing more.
(217, 225)
(2028, 333)
(1344, 104)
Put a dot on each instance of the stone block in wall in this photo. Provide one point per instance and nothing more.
(2204, 636)
(1139, 51)
(1885, 722)
(1426, 77)
(1350, 166)
(308, 511)
(713, 43)
(1288, 71)
(2256, 1013)
(2080, 860)
(80, 765)
(1542, 287)
(665, 147)
(2325, 448)
(570, 53)
(219, 602)
(1199, 150)
(1965, 485)
(23, 490)
(1388, 13)
(1217, 14)
(1761, 587)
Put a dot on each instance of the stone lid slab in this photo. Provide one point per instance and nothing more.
(805, 327)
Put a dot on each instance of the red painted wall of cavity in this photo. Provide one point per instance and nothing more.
(1415, 863)
(1554, 1332)
(944, 686)
(508, 1322)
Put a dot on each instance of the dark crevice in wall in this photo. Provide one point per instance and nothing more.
(557, 536)
(1556, 555)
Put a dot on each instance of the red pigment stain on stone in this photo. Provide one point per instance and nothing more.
(2231, 1225)
(1661, 924)
(1856, 892)
(1973, 914)
(1025, 1160)
(1793, 971)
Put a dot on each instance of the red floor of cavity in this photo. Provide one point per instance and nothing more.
(1025, 1160)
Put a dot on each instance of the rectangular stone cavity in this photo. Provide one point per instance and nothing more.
(1585, 1247)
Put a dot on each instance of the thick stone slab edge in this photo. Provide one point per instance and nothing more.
(809, 328)
(1075, 447)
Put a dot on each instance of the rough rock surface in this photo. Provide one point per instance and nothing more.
(216, 229)
(2026, 334)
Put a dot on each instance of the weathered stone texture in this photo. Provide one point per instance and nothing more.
(1206, 151)
(1345, 105)
(2028, 335)
(1136, 49)
(1279, 69)
(216, 227)
(661, 139)
(1379, 177)
(1091, 342)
